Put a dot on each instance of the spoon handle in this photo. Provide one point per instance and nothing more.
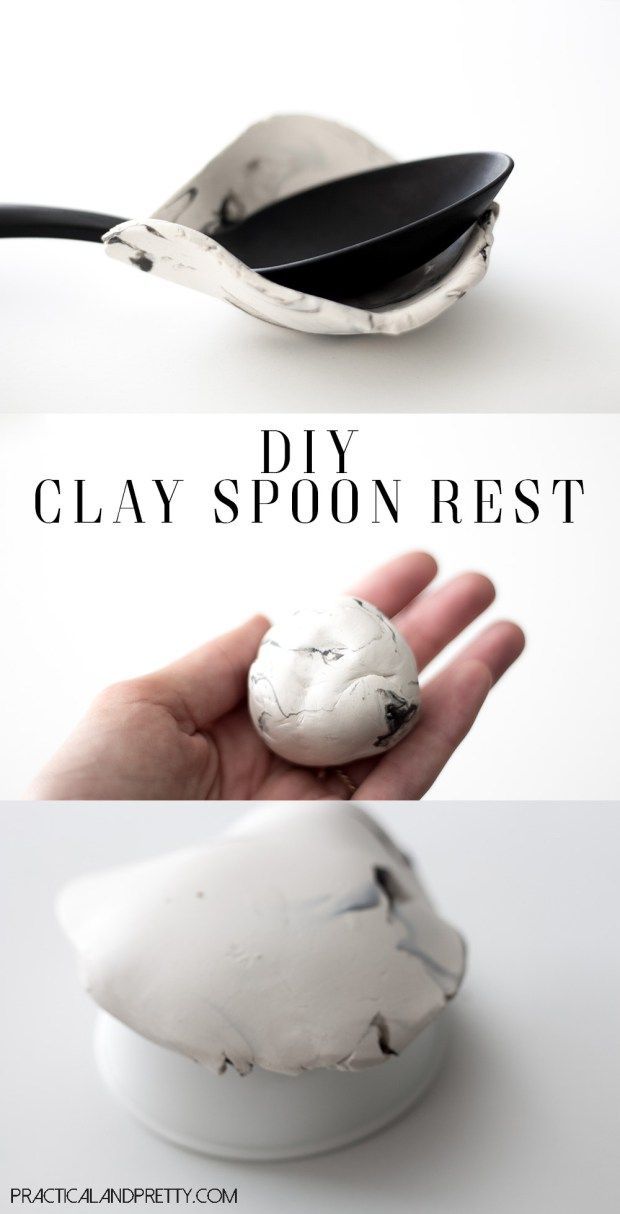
(55, 222)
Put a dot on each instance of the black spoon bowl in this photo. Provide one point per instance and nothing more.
(355, 234)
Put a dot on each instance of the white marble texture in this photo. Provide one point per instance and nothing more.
(271, 160)
(333, 683)
(300, 939)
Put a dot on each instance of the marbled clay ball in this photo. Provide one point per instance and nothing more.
(333, 684)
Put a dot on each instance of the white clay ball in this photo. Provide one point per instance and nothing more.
(333, 684)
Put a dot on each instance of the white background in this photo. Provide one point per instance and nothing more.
(114, 108)
(524, 1115)
(83, 606)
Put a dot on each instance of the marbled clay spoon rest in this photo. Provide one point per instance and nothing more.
(306, 224)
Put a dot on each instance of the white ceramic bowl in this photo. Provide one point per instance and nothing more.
(261, 1116)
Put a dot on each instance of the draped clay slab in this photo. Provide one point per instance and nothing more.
(333, 684)
(300, 939)
(272, 160)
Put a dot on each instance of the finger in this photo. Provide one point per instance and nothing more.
(497, 647)
(429, 624)
(451, 703)
(392, 586)
(212, 679)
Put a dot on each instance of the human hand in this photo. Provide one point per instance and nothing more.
(184, 732)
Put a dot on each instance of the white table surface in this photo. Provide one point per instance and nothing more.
(524, 1115)
(118, 109)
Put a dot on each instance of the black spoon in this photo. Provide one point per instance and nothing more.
(339, 240)
(357, 233)
(55, 222)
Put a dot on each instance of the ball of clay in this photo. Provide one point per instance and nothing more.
(333, 684)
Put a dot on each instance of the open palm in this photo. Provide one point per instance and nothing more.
(184, 732)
